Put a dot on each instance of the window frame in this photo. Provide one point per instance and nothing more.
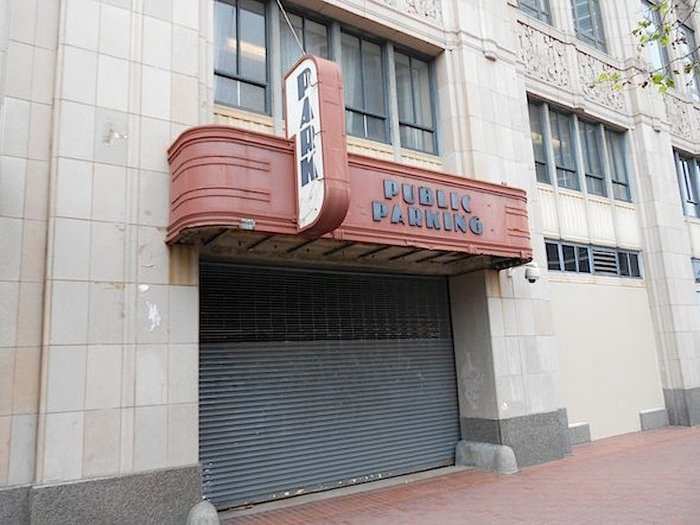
(543, 12)
(695, 263)
(387, 116)
(660, 50)
(688, 181)
(598, 150)
(577, 247)
(238, 77)
(539, 109)
(610, 151)
(431, 86)
(599, 39)
(573, 144)
(619, 254)
(692, 91)
(305, 17)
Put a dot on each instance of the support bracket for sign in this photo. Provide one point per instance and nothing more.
(315, 120)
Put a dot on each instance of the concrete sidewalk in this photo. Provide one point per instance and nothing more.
(651, 477)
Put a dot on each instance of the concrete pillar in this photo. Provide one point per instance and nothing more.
(505, 349)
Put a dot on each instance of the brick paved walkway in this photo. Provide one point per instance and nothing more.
(651, 477)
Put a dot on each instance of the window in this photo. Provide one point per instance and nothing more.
(657, 53)
(628, 264)
(363, 71)
(536, 8)
(603, 153)
(618, 165)
(696, 269)
(416, 121)
(564, 257)
(313, 36)
(240, 62)
(687, 49)
(688, 180)
(569, 257)
(589, 22)
(592, 162)
(538, 146)
(564, 156)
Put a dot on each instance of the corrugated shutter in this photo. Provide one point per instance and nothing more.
(311, 380)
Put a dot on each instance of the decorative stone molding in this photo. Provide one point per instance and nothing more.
(682, 116)
(589, 70)
(544, 56)
(431, 9)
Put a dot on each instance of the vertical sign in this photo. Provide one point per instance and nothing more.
(302, 95)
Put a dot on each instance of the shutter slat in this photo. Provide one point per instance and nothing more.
(311, 380)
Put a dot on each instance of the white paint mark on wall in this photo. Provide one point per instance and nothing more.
(154, 317)
(143, 288)
(472, 380)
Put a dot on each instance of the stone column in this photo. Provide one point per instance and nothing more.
(506, 353)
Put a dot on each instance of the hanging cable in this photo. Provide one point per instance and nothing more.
(291, 28)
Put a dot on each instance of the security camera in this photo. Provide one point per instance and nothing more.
(532, 273)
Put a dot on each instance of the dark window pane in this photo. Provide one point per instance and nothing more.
(373, 72)
(537, 8)
(569, 253)
(376, 128)
(567, 179)
(696, 270)
(621, 192)
(563, 146)
(225, 38)
(623, 261)
(252, 97)
(634, 265)
(352, 73)
(226, 91)
(403, 88)
(589, 22)
(418, 139)
(421, 86)
(538, 148)
(552, 256)
(596, 186)
(316, 38)
(354, 123)
(253, 53)
(289, 47)
(584, 262)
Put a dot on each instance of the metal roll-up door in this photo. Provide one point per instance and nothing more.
(311, 380)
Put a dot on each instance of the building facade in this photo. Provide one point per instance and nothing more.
(143, 365)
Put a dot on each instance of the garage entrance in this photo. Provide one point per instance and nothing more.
(313, 380)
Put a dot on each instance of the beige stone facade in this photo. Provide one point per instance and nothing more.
(99, 317)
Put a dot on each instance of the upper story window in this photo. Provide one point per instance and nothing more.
(688, 53)
(537, 8)
(365, 96)
(617, 160)
(313, 36)
(581, 258)
(696, 269)
(564, 152)
(688, 176)
(416, 119)
(588, 21)
(657, 53)
(591, 144)
(603, 152)
(240, 62)
(538, 146)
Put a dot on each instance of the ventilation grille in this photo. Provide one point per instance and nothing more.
(605, 262)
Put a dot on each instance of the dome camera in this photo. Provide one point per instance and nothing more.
(532, 273)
